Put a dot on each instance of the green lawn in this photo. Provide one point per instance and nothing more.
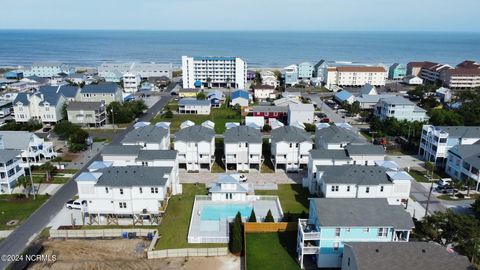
(17, 207)
(275, 251)
(420, 176)
(294, 198)
(173, 229)
(219, 116)
(56, 179)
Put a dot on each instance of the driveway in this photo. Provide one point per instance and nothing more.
(329, 112)
(254, 178)
(17, 241)
(406, 161)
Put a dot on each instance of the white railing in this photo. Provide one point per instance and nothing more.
(311, 236)
(310, 250)
(203, 197)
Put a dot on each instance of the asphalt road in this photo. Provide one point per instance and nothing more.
(420, 194)
(18, 240)
(331, 114)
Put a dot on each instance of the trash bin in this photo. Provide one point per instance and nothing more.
(132, 235)
(125, 235)
(150, 236)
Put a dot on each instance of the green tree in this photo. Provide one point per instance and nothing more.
(442, 117)
(64, 111)
(168, 114)
(355, 108)
(253, 217)
(476, 208)
(309, 127)
(267, 128)
(201, 96)
(236, 241)
(209, 82)
(25, 183)
(49, 170)
(258, 78)
(269, 217)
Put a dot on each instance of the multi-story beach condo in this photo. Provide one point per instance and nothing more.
(290, 74)
(399, 108)
(131, 82)
(46, 69)
(207, 71)
(436, 141)
(463, 162)
(144, 70)
(334, 221)
(464, 75)
(10, 170)
(305, 71)
(356, 75)
(196, 148)
(243, 149)
(397, 71)
(290, 147)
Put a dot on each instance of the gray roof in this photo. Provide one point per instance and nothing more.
(290, 134)
(283, 109)
(329, 154)
(193, 102)
(23, 98)
(335, 134)
(67, 91)
(87, 106)
(242, 134)
(146, 155)
(110, 88)
(469, 153)
(355, 175)
(133, 176)
(461, 131)
(406, 256)
(18, 140)
(365, 150)
(343, 212)
(397, 100)
(146, 134)
(6, 155)
(195, 134)
(121, 150)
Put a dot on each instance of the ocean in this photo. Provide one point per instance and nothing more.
(259, 49)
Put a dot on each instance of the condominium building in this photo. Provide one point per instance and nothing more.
(243, 149)
(464, 75)
(10, 170)
(399, 108)
(305, 71)
(334, 221)
(46, 69)
(198, 72)
(437, 140)
(397, 71)
(290, 147)
(196, 148)
(144, 70)
(291, 75)
(355, 75)
(33, 149)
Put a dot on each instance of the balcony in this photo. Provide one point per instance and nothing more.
(306, 250)
(309, 231)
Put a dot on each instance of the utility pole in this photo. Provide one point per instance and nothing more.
(428, 200)
(30, 173)
(113, 120)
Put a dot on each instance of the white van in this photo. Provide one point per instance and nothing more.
(444, 181)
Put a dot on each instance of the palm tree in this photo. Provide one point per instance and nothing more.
(25, 183)
(49, 169)
(228, 82)
(209, 82)
(469, 183)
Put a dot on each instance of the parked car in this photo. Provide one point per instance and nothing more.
(444, 181)
(449, 190)
(325, 120)
(75, 204)
(243, 178)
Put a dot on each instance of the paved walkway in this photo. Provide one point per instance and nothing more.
(43, 189)
(254, 178)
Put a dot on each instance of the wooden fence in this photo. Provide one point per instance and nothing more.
(253, 227)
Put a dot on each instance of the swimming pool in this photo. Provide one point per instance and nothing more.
(223, 211)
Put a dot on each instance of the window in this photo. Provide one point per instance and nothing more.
(121, 191)
(381, 188)
(367, 190)
(348, 229)
(335, 246)
(348, 188)
(291, 145)
(382, 232)
(337, 232)
(366, 230)
(348, 261)
(154, 190)
(140, 190)
(334, 188)
(106, 190)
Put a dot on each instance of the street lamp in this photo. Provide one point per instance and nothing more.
(113, 120)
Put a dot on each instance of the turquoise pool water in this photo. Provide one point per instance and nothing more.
(223, 211)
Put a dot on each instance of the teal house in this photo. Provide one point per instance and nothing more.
(397, 71)
(334, 221)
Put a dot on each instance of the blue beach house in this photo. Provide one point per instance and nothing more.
(332, 222)
(397, 71)
(240, 97)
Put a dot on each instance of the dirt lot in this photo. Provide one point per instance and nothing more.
(122, 254)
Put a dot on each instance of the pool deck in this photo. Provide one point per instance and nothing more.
(201, 231)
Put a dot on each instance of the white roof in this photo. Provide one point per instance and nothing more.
(208, 124)
(141, 124)
(230, 125)
(298, 124)
(186, 124)
(274, 123)
(165, 125)
(322, 125)
(256, 122)
(301, 107)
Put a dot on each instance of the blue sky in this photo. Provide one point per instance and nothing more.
(347, 15)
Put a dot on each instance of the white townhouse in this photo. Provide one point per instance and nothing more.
(336, 137)
(45, 105)
(196, 148)
(366, 154)
(360, 181)
(102, 92)
(290, 147)
(36, 149)
(243, 149)
(131, 82)
(399, 108)
(131, 191)
(194, 106)
(149, 137)
(198, 72)
(463, 163)
(298, 114)
(437, 140)
(264, 92)
(10, 170)
(46, 69)
(144, 70)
